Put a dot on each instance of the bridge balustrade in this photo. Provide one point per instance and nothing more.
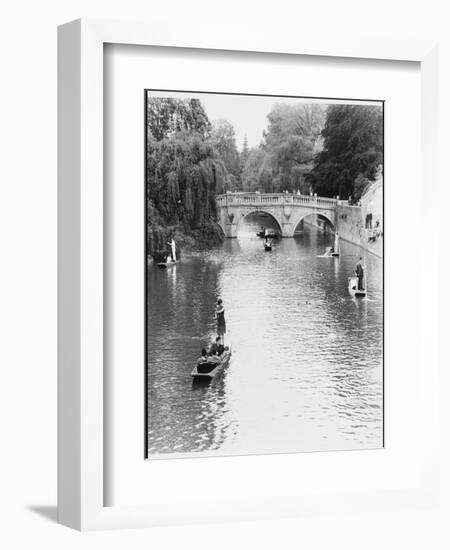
(274, 199)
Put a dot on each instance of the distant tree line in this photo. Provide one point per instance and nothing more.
(285, 154)
(311, 148)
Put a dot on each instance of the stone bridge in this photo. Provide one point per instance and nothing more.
(287, 209)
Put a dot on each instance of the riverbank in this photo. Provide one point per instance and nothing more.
(350, 229)
(350, 226)
(363, 225)
(204, 238)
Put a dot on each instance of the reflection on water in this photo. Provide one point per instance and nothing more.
(306, 368)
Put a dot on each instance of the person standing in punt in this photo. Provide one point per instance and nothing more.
(220, 317)
(360, 274)
(172, 250)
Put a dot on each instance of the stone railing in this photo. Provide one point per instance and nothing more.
(274, 199)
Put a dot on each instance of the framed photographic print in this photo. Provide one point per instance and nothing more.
(263, 335)
(234, 277)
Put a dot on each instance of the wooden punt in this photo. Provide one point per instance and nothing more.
(353, 288)
(164, 265)
(205, 372)
(329, 254)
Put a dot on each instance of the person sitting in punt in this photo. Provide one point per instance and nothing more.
(217, 347)
(205, 358)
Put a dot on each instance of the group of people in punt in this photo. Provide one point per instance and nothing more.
(216, 349)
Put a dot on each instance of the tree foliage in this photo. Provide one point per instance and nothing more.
(253, 169)
(285, 155)
(167, 116)
(183, 178)
(224, 142)
(184, 170)
(352, 151)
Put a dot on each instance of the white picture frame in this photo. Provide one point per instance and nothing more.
(81, 393)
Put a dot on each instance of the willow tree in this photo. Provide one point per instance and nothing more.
(290, 140)
(167, 116)
(224, 142)
(286, 153)
(184, 172)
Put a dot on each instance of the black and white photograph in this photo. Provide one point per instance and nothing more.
(264, 274)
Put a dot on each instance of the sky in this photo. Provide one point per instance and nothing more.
(248, 114)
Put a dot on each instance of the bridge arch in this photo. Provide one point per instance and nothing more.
(321, 215)
(266, 212)
(288, 210)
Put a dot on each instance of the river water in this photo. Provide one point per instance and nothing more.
(306, 371)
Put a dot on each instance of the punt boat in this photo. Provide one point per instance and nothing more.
(353, 288)
(164, 265)
(205, 372)
(331, 253)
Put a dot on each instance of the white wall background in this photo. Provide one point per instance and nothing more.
(28, 269)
